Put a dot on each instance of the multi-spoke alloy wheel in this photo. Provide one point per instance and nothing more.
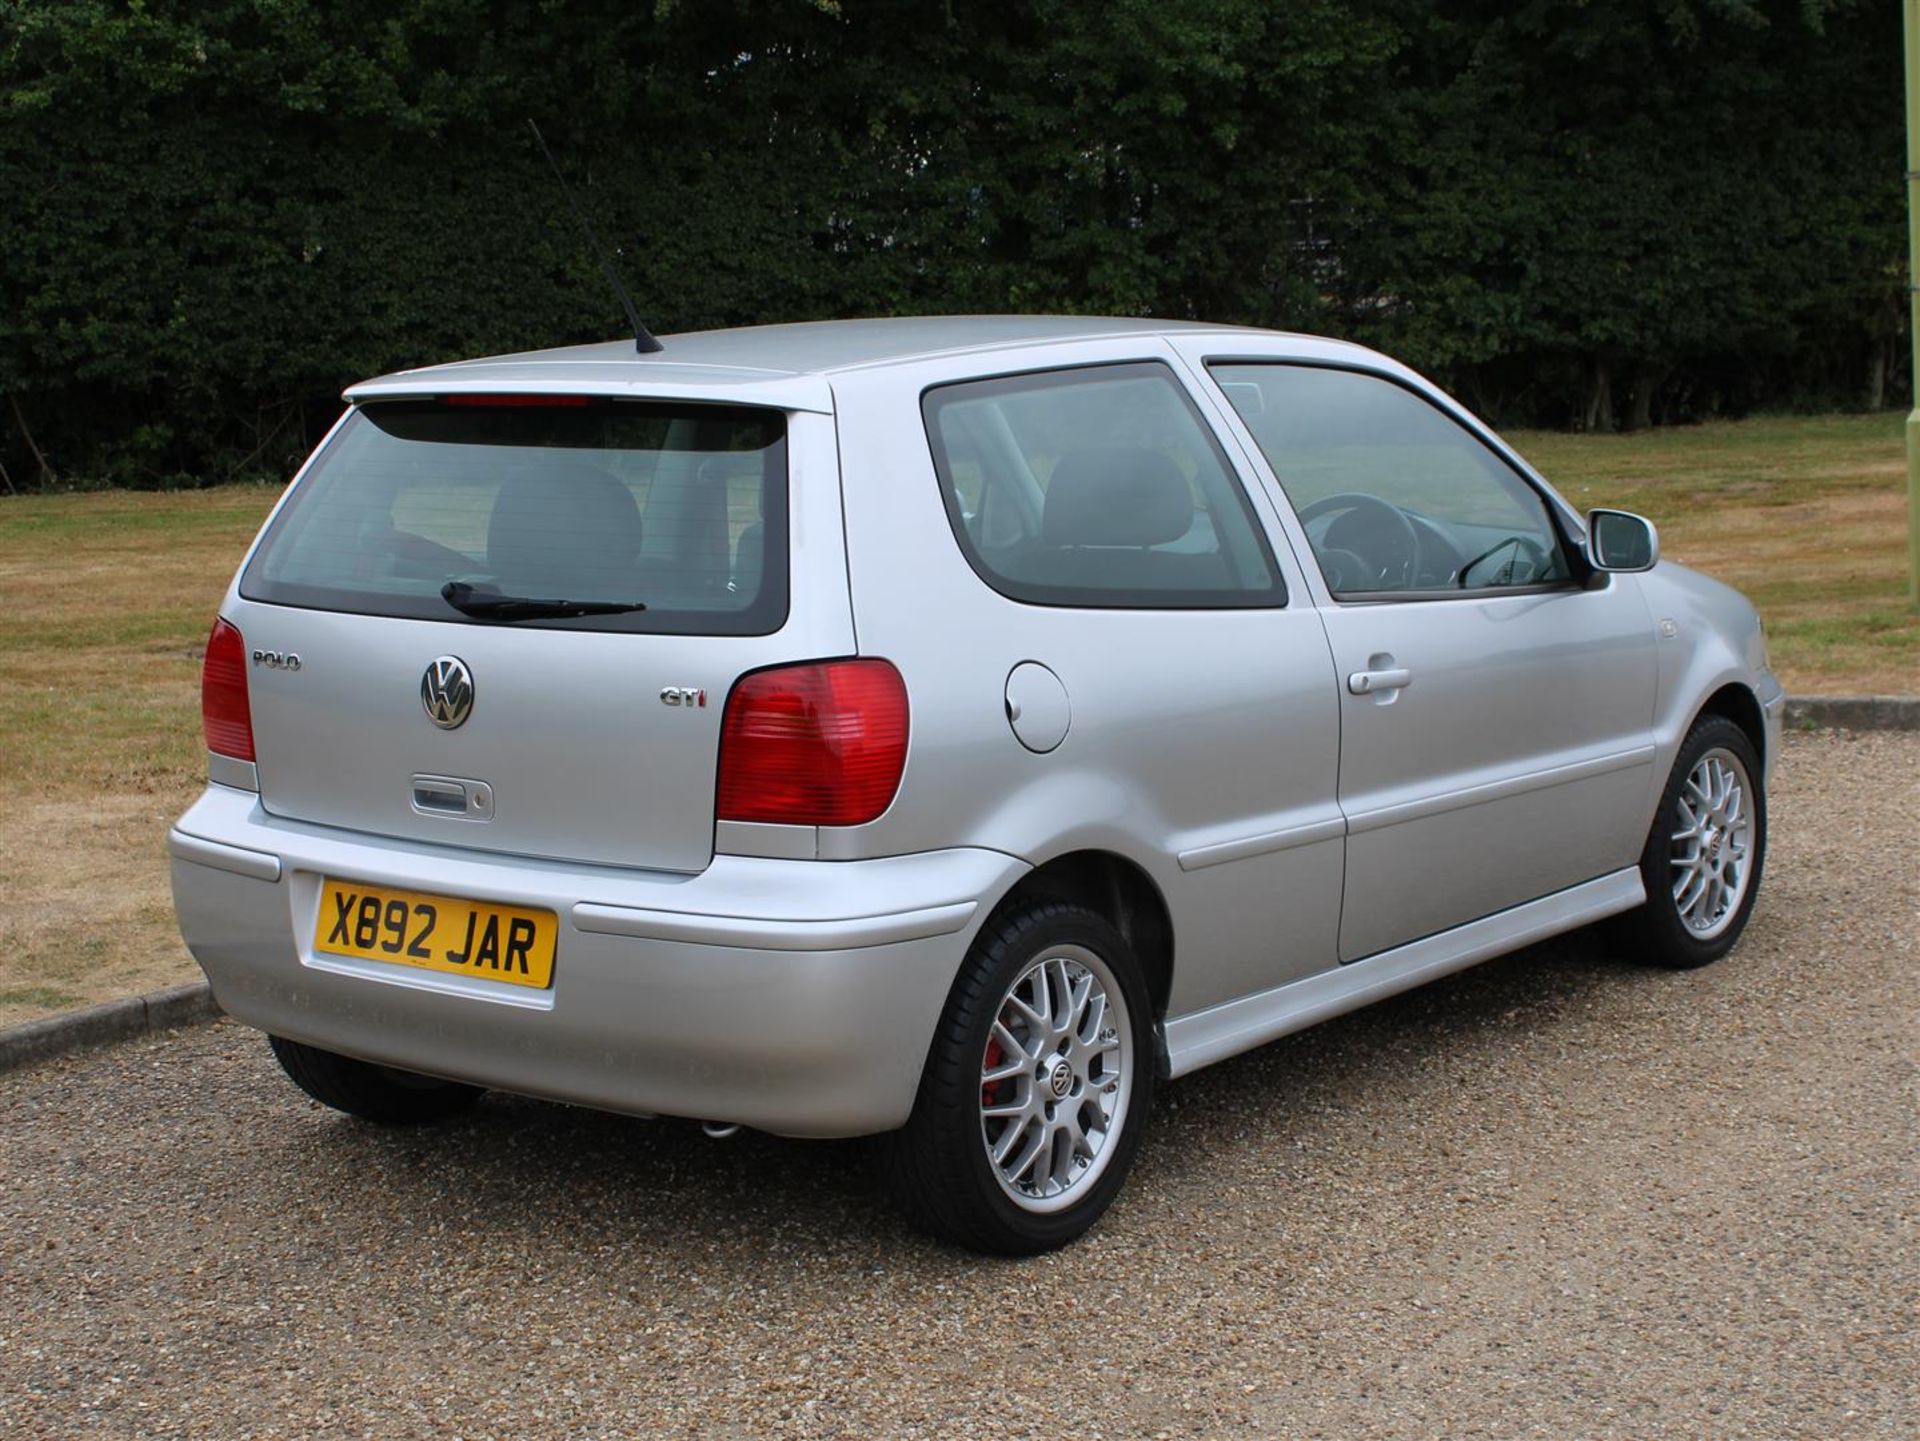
(1701, 866)
(1053, 1078)
(1036, 1086)
(1713, 843)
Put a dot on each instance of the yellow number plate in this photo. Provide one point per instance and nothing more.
(437, 933)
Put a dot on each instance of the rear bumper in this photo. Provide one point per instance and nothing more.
(793, 996)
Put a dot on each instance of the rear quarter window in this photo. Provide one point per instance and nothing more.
(680, 508)
(1099, 486)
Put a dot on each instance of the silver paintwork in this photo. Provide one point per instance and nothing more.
(1514, 763)
(604, 370)
(1038, 707)
(1203, 1037)
(219, 856)
(1332, 801)
(229, 771)
(787, 995)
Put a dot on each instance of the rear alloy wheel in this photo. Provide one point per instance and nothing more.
(1053, 1093)
(1703, 858)
(373, 1093)
(1036, 1088)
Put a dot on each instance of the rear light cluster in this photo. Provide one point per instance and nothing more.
(813, 745)
(226, 718)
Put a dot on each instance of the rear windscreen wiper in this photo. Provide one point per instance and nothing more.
(484, 602)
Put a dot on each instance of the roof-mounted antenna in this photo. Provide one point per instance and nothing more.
(643, 340)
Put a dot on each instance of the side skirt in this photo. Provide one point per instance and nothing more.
(1227, 1029)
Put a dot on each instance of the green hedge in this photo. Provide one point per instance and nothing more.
(214, 215)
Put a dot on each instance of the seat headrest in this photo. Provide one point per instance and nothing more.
(567, 526)
(1116, 496)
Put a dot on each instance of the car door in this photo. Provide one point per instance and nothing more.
(1496, 697)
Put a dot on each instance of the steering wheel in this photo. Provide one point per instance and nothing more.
(1344, 570)
(1386, 529)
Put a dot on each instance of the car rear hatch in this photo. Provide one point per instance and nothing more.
(413, 673)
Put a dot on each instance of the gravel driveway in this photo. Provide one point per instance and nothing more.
(1556, 1197)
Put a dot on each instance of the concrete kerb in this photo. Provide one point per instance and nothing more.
(112, 1021)
(105, 1024)
(1853, 712)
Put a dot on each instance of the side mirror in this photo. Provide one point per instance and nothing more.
(1618, 540)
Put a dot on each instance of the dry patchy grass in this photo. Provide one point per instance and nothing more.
(1806, 514)
(105, 602)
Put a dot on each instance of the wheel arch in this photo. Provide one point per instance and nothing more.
(1737, 702)
(1120, 891)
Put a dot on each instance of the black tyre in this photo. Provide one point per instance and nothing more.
(1704, 855)
(373, 1093)
(1036, 1088)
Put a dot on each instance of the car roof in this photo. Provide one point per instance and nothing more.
(825, 346)
(766, 362)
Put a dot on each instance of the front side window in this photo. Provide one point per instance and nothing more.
(1394, 494)
(1099, 486)
(680, 509)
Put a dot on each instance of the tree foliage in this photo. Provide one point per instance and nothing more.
(213, 215)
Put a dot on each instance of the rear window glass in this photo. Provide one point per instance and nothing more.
(679, 508)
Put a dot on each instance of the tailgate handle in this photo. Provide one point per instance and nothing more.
(451, 796)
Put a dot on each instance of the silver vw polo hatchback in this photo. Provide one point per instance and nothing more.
(950, 728)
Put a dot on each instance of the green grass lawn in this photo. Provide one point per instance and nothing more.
(105, 601)
(1806, 514)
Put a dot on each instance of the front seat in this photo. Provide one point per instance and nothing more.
(1105, 509)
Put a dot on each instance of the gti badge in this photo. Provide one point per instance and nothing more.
(683, 695)
(446, 692)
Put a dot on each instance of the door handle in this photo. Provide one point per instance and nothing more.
(1378, 682)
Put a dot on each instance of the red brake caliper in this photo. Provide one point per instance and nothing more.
(995, 1055)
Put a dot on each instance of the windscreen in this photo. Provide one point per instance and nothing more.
(680, 509)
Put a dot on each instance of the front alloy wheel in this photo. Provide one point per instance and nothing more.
(1036, 1085)
(1711, 852)
(1702, 861)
